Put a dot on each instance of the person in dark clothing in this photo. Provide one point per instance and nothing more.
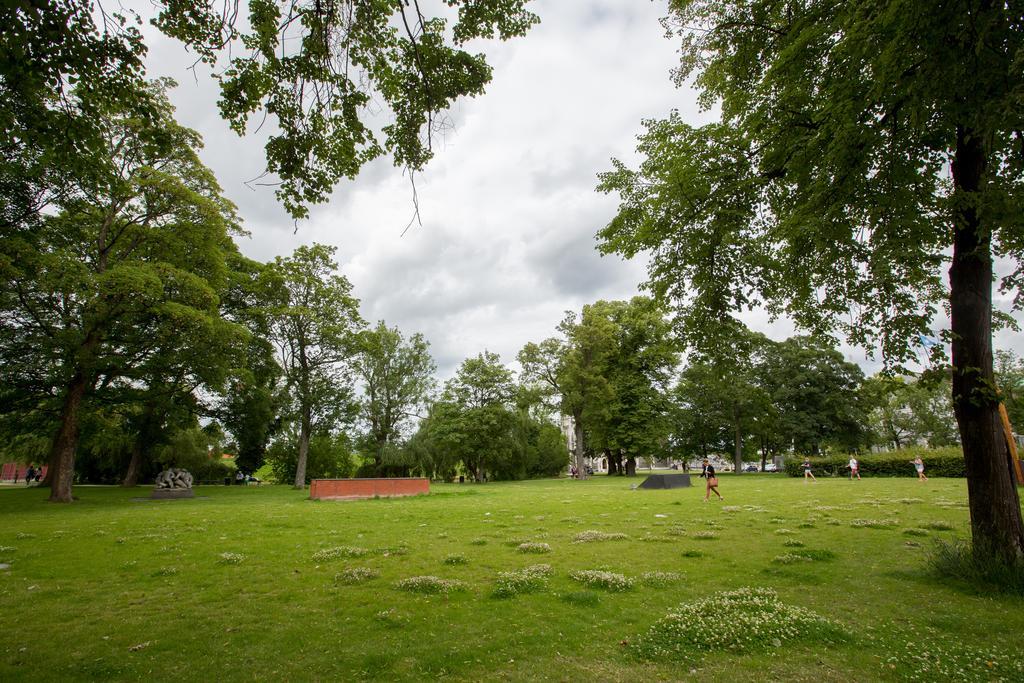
(711, 481)
(30, 474)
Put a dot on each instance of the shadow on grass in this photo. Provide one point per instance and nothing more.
(959, 565)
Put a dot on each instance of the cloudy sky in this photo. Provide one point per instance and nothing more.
(508, 206)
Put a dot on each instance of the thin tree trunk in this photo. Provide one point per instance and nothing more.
(581, 470)
(737, 455)
(996, 525)
(300, 468)
(131, 476)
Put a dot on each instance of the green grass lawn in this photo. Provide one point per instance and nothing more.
(262, 584)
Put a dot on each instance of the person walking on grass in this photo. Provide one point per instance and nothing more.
(711, 481)
(919, 466)
(807, 470)
(854, 468)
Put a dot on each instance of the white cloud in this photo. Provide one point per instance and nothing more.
(508, 205)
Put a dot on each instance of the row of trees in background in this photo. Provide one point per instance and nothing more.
(135, 335)
(125, 308)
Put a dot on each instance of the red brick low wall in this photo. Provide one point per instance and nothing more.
(341, 489)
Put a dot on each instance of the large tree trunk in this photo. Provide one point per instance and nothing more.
(996, 525)
(65, 442)
(300, 468)
(581, 470)
(631, 466)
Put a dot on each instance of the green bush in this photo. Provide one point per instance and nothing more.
(938, 462)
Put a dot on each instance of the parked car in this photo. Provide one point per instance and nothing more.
(770, 467)
(750, 468)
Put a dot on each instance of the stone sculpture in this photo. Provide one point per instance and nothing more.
(174, 478)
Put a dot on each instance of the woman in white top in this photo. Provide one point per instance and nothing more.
(854, 468)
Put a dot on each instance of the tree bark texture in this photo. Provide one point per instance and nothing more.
(737, 455)
(996, 526)
(581, 470)
(65, 442)
(131, 475)
(300, 466)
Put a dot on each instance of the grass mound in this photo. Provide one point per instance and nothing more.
(527, 580)
(592, 536)
(431, 585)
(743, 620)
(660, 579)
(338, 553)
(354, 575)
(534, 548)
(609, 581)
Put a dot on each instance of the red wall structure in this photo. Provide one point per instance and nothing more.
(11, 468)
(350, 489)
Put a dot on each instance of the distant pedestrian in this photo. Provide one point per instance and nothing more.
(39, 475)
(854, 468)
(919, 466)
(30, 474)
(807, 470)
(711, 481)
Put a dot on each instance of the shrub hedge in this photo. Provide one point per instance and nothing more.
(938, 462)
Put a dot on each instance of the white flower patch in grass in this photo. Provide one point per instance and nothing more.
(455, 558)
(7, 549)
(748, 619)
(784, 532)
(872, 523)
(909, 501)
(609, 581)
(431, 585)
(732, 508)
(915, 532)
(230, 558)
(939, 526)
(675, 531)
(354, 575)
(338, 553)
(478, 541)
(951, 660)
(534, 548)
(526, 580)
(593, 536)
(793, 543)
(705, 535)
(660, 579)
(791, 558)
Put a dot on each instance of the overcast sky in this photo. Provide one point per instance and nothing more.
(508, 204)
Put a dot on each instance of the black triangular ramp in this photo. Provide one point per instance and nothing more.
(666, 481)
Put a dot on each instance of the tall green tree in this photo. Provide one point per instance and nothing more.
(396, 376)
(863, 148)
(473, 419)
(251, 405)
(313, 320)
(636, 421)
(120, 261)
(815, 394)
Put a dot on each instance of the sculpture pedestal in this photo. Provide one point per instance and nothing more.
(172, 494)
